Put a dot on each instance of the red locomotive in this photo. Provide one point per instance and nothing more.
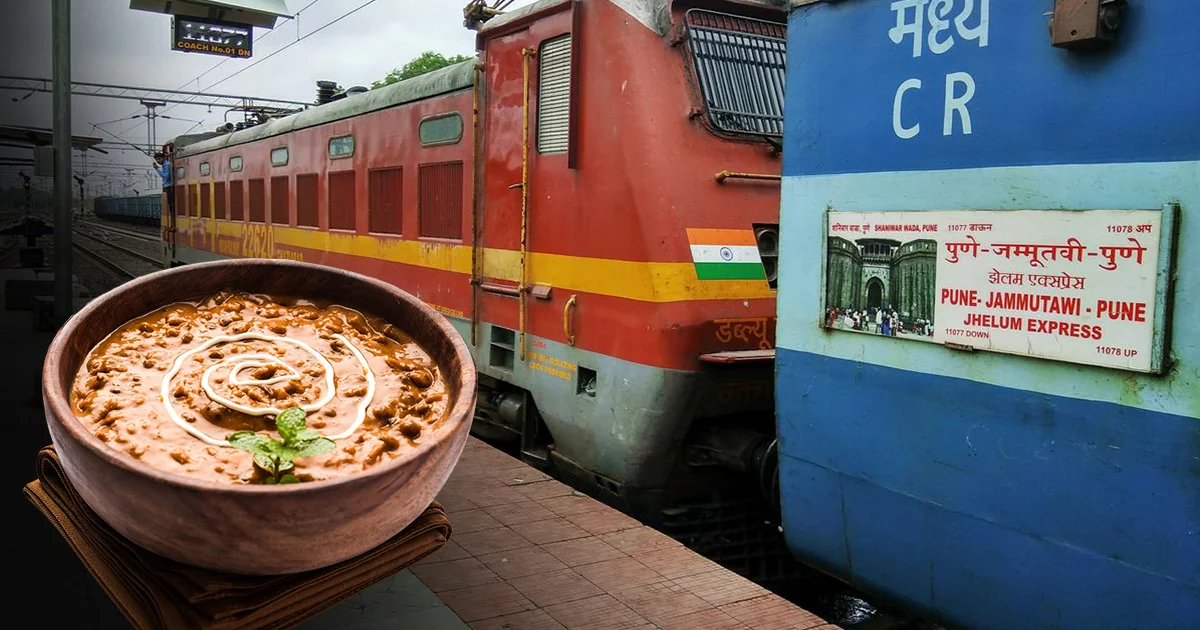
(593, 202)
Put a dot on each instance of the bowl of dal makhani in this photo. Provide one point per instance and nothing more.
(258, 416)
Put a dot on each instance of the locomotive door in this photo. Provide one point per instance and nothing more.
(503, 205)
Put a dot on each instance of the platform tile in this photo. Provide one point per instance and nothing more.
(602, 612)
(486, 601)
(549, 531)
(528, 620)
(582, 551)
(721, 587)
(455, 574)
(556, 587)
(771, 612)
(707, 619)
(520, 512)
(619, 574)
(661, 601)
(677, 562)
(490, 541)
(521, 562)
(603, 521)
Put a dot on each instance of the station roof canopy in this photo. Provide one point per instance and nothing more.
(15, 135)
(260, 13)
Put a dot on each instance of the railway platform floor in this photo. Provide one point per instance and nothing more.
(527, 552)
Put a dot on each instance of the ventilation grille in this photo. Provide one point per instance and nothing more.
(342, 200)
(306, 200)
(384, 200)
(740, 64)
(279, 200)
(554, 96)
(258, 210)
(440, 203)
(181, 200)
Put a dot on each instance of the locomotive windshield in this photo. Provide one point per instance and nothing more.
(739, 63)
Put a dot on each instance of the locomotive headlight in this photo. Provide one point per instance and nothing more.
(767, 237)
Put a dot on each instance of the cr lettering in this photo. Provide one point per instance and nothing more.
(959, 90)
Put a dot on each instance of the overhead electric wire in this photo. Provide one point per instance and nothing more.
(240, 71)
(297, 41)
(197, 78)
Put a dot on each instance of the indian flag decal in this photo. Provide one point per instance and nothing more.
(725, 254)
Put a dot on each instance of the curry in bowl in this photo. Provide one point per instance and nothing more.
(244, 388)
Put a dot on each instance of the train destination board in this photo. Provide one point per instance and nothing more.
(226, 39)
(1078, 286)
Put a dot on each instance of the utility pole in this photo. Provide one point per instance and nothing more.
(151, 125)
(64, 302)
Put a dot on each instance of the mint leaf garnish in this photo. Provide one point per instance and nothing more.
(275, 456)
(290, 422)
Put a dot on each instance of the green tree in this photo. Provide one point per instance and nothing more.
(427, 61)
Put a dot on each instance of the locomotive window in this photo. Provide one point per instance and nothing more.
(279, 156)
(739, 64)
(180, 173)
(205, 169)
(341, 147)
(554, 96)
(441, 129)
(235, 164)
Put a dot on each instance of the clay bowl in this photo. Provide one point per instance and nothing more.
(253, 529)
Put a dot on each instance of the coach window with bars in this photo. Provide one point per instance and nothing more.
(440, 200)
(235, 164)
(258, 201)
(341, 147)
(237, 201)
(342, 201)
(279, 156)
(205, 201)
(306, 200)
(219, 200)
(441, 129)
(739, 64)
(385, 189)
(279, 200)
(554, 96)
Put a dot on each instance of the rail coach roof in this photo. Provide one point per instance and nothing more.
(654, 14)
(449, 79)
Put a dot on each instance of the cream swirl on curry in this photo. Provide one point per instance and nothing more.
(169, 388)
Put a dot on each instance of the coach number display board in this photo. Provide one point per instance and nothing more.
(212, 37)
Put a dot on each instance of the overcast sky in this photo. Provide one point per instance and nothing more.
(113, 44)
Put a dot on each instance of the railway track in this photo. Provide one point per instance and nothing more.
(150, 236)
(117, 263)
(121, 248)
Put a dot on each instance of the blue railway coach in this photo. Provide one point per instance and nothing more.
(989, 375)
(145, 210)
